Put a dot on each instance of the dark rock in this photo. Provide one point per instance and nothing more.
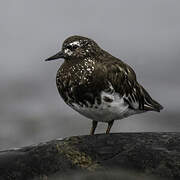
(156, 154)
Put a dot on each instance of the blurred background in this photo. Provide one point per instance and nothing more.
(145, 34)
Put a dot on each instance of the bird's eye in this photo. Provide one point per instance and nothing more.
(69, 47)
(75, 46)
(72, 47)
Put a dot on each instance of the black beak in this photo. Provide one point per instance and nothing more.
(56, 56)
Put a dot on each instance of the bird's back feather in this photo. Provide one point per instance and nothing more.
(123, 79)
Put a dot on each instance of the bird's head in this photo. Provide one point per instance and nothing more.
(77, 47)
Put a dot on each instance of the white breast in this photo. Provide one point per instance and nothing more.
(106, 111)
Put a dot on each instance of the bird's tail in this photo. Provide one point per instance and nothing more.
(150, 104)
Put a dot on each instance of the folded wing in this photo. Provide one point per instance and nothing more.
(123, 80)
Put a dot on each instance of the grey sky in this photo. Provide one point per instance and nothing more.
(143, 33)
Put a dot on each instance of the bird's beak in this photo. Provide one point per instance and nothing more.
(56, 56)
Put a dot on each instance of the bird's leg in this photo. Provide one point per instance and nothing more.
(94, 125)
(109, 126)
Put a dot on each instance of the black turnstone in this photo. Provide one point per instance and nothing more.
(98, 85)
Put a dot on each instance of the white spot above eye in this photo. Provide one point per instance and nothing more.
(68, 51)
(75, 43)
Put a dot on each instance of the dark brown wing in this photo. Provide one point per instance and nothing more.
(123, 79)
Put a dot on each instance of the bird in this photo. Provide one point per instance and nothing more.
(98, 85)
